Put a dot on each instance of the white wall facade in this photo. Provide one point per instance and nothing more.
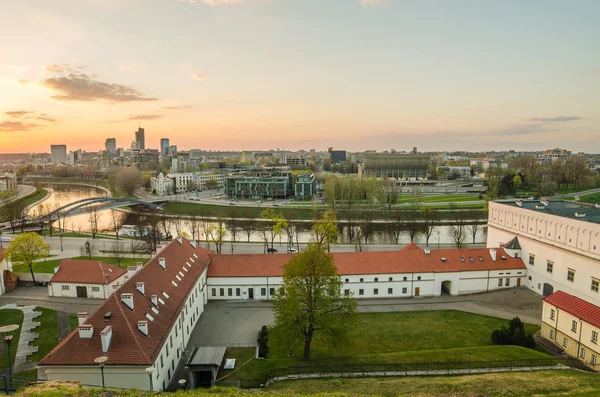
(567, 244)
(94, 291)
(128, 377)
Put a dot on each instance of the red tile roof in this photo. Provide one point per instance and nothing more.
(575, 306)
(129, 346)
(86, 272)
(2, 254)
(410, 259)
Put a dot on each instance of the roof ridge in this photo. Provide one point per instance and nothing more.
(133, 334)
(103, 274)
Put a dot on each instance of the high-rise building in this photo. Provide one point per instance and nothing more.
(58, 153)
(164, 146)
(111, 147)
(140, 139)
(75, 156)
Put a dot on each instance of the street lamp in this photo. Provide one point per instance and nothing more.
(438, 234)
(100, 361)
(182, 382)
(7, 332)
(150, 371)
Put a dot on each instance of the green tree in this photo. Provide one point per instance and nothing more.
(278, 224)
(26, 248)
(311, 302)
(326, 229)
(212, 184)
(128, 180)
(517, 182)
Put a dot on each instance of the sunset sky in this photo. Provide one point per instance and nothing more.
(301, 74)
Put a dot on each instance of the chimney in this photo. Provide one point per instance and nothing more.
(519, 203)
(86, 331)
(193, 243)
(544, 201)
(139, 265)
(154, 299)
(140, 287)
(82, 317)
(162, 263)
(56, 269)
(180, 240)
(127, 299)
(106, 336)
(427, 251)
(143, 327)
(493, 254)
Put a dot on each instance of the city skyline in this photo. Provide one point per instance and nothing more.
(262, 74)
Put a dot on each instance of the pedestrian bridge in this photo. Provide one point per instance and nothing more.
(87, 205)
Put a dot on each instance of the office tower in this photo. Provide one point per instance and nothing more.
(140, 139)
(75, 156)
(111, 147)
(164, 146)
(58, 153)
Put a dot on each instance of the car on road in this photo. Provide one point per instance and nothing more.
(292, 251)
(259, 201)
(231, 203)
(271, 250)
(275, 205)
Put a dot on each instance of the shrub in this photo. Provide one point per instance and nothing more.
(263, 341)
(513, 335)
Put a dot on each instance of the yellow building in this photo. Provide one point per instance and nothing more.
(572, 324)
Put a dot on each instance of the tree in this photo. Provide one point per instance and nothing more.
(116, 222)
(25, 249)
(429, 216)
(216, 232)
(93, 216)
(397, 224)
(311, 301)
(278, 223)
(513, 335)
(325, 229)
(88, 249)
(13, 213)
(477, 216)
(458, 228)
(366, 224)
(128, 180)
(212, 184)
(117, 252)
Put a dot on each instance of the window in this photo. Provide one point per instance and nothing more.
(404, 290)
(529, 278)
(361, 291)
(347, 292)
(594, 336)
(222, 291)
(347, 280)
(391, 279)
(390, 291)
(471, 259)
(171, 340)
(404, 278)
(162, 364)
(565, 342)
(549, 266)
(499, 282)
(531, 259)
(582, 353)
(95, 289)
(574, 326)
(507, 282)
(594, 358)
(362, 279)
(571, 275)
(551, 334)
(237, 292)
(271, 291)
(376, 279)
(65, 287)
(263, 291)
(595, 284)
(418, 278)
(552, 313)
(229, 291)
(376, 291)
(167, 347)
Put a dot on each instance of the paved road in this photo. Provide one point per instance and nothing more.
(583, 193)
(22, 191)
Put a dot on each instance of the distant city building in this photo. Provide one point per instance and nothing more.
(454, 171)
(553, 154)
(111, 147)
(164, 146)
(172, 149)
(134, 145)
(295, 161)
(183, 181)
(201, 178)
(260, 184)
(58, 153)
(394, 165)
(305, 187)
(8, 181)
(337, 156)
(161, 185)
(75, 156)
(140, 139)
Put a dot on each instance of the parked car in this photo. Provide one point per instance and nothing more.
(271, 250)
(292, 251)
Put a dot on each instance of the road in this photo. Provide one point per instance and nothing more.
(577, 194)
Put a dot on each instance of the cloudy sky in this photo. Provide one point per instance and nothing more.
(301, 74)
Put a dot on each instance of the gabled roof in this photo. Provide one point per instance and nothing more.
(575, 306)
(86, 272)
(513, 244)
(10, 277)
(410, 259)
(129, 346)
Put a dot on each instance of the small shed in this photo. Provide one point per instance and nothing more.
(204, 364)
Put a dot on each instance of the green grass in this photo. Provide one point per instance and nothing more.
(590, 198)
(10, 316)
(48, 266)
(28, 200)
(48, 331)
(566, 383)
(393, 338)
(73, 321)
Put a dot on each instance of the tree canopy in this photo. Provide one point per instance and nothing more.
(26, 248)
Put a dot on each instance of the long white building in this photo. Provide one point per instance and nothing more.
(559, 242)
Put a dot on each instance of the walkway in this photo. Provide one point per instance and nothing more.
(64, 328)
(22, 191)
(440, 372)
(24, 348)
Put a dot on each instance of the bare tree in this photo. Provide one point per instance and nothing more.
(13, 213)
(165, 223)
(93, 216)
(178, 224)
(429, 217)
(152, 228)
(88, 249)
(458, 227)
(397, 224)
(476, 217)
(117, 252)
(216, 232)
(234, 229)
(116, 222)
(366, 225)
(128, 180)
(248, 226)
(192, 223)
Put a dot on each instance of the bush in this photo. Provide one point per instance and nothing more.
(263, 341)
(513, 335)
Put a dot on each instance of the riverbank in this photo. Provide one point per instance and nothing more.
(103, 185)
(26, 202)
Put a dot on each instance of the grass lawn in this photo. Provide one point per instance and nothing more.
(73, 321)
(385, 340)
(565, 383)
(48, 266)
(10, 316)
(48, 331)
(29, 199)
(590, 198)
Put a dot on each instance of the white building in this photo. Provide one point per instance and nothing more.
(573, 325)
(142, 328)
(5, 269)
(161, 185)
(201, 178)
(85, 279)
(558, 240)
(408, 272)
(8, 181)
(58, 153)
(182, 181)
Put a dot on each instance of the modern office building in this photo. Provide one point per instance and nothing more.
(395, 166)
(558, 240)
(58, 153)
(260, 184)
(140, 139)
(305, 187)
(75, 156)
(337, 156)
(294, 161)
(111, 147)
(164, 146)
